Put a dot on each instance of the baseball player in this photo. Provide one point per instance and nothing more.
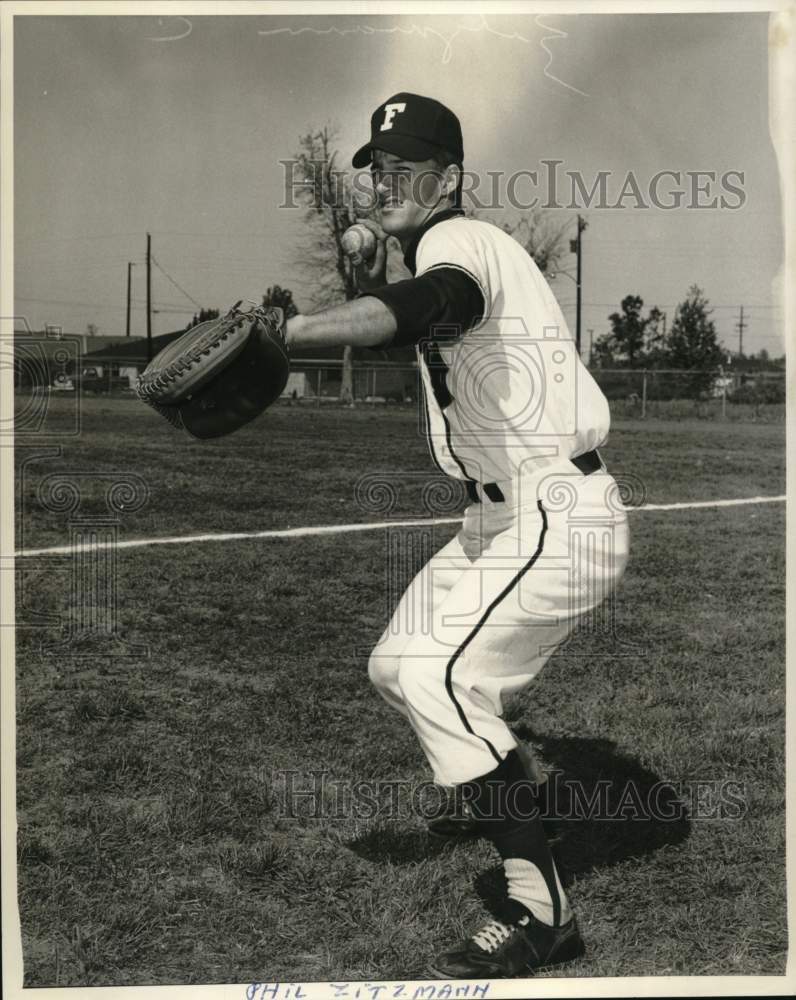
(512, 413)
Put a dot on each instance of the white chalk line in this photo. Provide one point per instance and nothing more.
(335, 529)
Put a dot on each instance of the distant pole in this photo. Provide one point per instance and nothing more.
(148, 297)
(740, 327)
(591, 348)
(129, 282)
(576, 247)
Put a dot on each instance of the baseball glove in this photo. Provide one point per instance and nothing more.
(221, 374)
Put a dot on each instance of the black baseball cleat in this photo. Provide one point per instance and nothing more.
(455, 825)
(502, 951)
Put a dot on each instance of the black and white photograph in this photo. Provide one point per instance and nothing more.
(393, 460)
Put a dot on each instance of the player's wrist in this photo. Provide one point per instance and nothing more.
(366, 281)
(293, 328)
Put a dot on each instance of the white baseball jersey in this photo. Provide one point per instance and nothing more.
(510, 395)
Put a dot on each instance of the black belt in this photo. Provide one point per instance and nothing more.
(588, 463)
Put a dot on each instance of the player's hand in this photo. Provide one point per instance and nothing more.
(372, 273)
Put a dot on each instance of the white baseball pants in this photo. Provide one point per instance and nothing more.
(483, 616)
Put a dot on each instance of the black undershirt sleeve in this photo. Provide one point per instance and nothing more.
(444, 296)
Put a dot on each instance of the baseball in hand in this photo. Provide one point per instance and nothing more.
(359, 241)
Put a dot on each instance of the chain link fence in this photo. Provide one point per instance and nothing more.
(642, 394)
(633, 394)
(669, 393)
(321, 382)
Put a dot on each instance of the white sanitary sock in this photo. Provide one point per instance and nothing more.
(527, 886)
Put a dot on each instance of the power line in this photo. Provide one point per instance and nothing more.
(176, 306)
(179, 287)
(71, 239)
(175, 312)
(228, 235)
(138, 304)
(670, 305)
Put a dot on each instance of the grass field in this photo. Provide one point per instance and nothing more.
(155, 845)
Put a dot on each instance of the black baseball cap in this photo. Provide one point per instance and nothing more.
(412, 127)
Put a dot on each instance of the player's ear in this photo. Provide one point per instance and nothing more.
(453, 174)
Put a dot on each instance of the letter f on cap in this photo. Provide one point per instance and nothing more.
(390, 111)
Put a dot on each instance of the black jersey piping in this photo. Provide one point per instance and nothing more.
(410, 255)
(448, 441)
(429, 439)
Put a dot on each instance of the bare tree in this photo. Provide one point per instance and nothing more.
(537, 232)
(542, 237)
(330, 208)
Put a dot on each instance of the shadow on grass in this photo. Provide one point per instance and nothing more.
(602, 807)
(606, 806)
(392, 843)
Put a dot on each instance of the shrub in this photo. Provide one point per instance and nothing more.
(762, 391)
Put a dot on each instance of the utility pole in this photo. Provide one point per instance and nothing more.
(591, 348)
(652, 333)
(740, 326)
(148, 297)
(575, 247)
(129, 281)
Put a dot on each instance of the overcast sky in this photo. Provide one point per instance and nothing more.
(125, 125)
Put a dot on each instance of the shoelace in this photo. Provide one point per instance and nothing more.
(491, 937)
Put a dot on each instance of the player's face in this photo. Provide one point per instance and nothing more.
(408, 192)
